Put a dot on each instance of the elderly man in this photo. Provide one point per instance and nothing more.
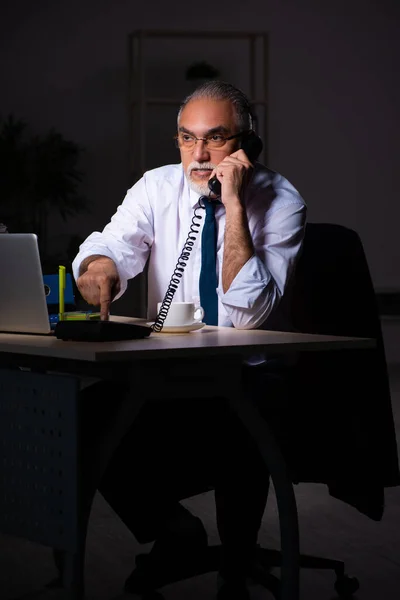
(259, 222)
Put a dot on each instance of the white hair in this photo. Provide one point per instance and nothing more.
(220, 90)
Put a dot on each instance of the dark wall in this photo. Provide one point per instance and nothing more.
(333, 103)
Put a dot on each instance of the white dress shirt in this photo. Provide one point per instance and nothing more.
(153, 222)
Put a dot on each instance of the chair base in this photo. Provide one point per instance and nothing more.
(145, 582)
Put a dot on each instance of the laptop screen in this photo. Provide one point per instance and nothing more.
(23, 306)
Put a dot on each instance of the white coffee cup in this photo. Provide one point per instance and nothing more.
(182, 313)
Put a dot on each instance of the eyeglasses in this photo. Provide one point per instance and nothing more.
(187, 142)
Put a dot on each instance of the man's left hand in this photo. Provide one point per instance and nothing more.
(232, 172)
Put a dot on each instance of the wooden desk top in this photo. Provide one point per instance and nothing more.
(204, 342)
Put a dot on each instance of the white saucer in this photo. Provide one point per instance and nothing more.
(180, 328)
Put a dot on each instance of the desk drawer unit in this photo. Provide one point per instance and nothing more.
(39, 457)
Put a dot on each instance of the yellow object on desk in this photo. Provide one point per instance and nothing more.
(76, 315)
(61, 292)
(81, 316)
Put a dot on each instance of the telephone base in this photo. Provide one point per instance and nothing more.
(100, 331)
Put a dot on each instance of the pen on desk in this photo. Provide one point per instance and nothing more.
(61, 292)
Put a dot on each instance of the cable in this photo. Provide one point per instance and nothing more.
(179, 269)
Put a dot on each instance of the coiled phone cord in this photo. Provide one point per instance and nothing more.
(179, 268)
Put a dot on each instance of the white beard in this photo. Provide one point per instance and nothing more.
(199, 188)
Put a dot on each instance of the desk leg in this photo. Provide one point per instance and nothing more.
(287, 508)
(73, 574)
(95, 460)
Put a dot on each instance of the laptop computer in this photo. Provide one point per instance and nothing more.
(28, 300)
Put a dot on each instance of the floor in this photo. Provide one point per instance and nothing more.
(328, 527)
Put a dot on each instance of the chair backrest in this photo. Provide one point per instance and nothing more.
(346, 392)
(333, 291)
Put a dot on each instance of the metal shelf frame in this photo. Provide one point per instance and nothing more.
(138, 102)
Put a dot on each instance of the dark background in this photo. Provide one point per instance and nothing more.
(333, 99)
(334, 132)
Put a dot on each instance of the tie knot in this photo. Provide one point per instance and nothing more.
(209, 205)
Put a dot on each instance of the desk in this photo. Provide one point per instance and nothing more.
(48, 484)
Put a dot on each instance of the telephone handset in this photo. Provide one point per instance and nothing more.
(252, 146)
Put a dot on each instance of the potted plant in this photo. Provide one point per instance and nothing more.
(39, 175)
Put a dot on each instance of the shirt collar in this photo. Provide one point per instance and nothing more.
(194, 198)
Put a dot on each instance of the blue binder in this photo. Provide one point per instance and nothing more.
(52, 296)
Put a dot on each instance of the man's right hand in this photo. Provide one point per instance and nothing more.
(99, 283)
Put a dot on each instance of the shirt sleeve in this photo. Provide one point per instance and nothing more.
(127, 239)
(260, 284)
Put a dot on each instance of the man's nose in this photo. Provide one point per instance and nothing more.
(201, 152)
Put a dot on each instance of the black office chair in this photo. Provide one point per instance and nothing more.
(332, 294)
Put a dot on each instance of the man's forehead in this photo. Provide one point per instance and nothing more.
(208, 113)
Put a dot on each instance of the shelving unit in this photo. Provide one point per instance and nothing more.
(141, 100)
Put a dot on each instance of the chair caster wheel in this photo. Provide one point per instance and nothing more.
(346, 586)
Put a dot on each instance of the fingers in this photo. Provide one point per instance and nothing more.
(232, 172)
(100, 284)
(231, 167)
(105, 300)
(87, 291)
(237, 159)
(213, 173)
(98, 291)
(235, 162)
